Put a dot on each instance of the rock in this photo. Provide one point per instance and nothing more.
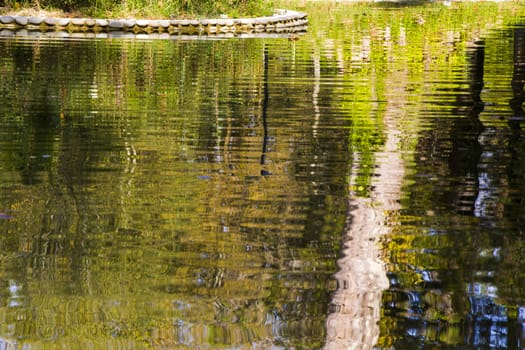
(50, 21)
(63, 22)
(35, 20)
(282, 20)
(116, 24)
(129, 23)
(164, 23)
(78, 21)
(7, 19)
(101, 22)
(142, 22)
(21, 20)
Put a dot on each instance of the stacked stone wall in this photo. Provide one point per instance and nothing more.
(282, 22)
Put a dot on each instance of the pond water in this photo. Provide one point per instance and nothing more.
(360, 187)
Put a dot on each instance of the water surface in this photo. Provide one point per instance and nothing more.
(358, 187)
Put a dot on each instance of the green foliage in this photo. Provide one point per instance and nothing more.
(148, 8)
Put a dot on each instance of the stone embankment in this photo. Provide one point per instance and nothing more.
(282, 22)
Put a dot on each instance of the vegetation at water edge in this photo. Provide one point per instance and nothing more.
(141, 8)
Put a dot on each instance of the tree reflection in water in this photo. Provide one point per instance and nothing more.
(455, 274)
(146, 210)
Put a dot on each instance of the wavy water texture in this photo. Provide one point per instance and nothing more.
(362, 276)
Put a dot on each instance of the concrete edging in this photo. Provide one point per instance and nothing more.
(282, 22)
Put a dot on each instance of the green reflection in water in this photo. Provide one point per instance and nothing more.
(431, 69)
(142, 212)
(176, 194)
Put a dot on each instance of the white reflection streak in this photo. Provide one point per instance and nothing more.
(356, 304)
(315, 94)
(484, 195)
(8, 344)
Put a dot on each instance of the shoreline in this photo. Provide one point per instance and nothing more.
(281, 22)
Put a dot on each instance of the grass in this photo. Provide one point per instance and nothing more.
(159, 9)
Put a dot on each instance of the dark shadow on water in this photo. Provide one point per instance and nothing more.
(516, 143)
(518, 79)
(466, 129)
(264, 113)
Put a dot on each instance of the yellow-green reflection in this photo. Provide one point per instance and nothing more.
(173, 194)
(166, 194)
